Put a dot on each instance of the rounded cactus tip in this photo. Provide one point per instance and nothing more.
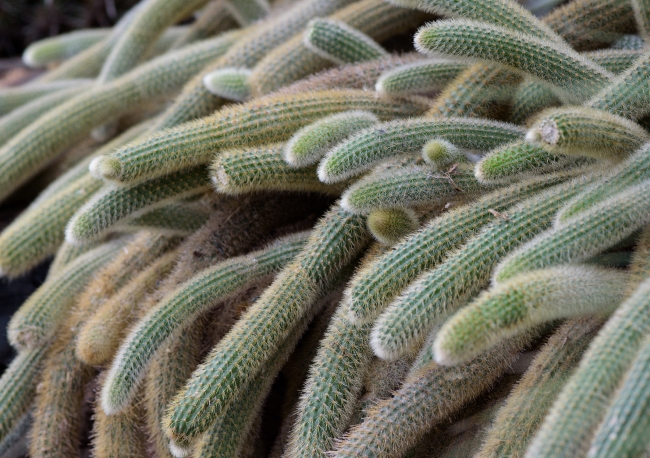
(534, 135)
(30, 59)
(229, 83)
(105, 168)
(388, 226)
(178, 451)
(442, 356)
(440, 153)
(378, 347)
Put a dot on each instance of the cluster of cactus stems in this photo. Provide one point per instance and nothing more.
(273, 234)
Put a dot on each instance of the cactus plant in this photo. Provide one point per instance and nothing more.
(216, 284)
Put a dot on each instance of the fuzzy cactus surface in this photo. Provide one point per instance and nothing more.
(333, 228)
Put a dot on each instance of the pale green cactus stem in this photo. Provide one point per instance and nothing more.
(14, 444)
(247, 11)
(518, 160)
(62, 47)
(88, 63)
(467, 95)
(584, 235)
(586, 132)
(525, 301)
(236, 360)
(292, 60)
(409, 186)
(375, 287)
(642, 15)
(181, 307)
(419, 77)
(260, 121)
(37, 320)
(137, 38)
(592, 24)
(212, 20)
(173, 219)
(503, 13)
(574, 77)
(34, 147)
(196, 101)
(100, 336)
(309, 144)
(336, 41)
(318, 424)
(529, 99)
(14, 97)
(337, 375)
(569, 427)
(442, 154)
(66, 254)
(111, 206)
(226, 436)
(629, 42)
(118, 435)
(615, 60)
(167, 374)
(438, 292)
(229, 83)
(427, 397)
(12, 123)
(628, 173)
(18, 387)
(513, 427)
(627, 95)
(386, 140)
(264, 169)
(623, 430)
(40, 229)
(390, 225)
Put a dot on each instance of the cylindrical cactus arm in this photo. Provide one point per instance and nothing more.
(586, 132)
(623, 430)
(268, 119)
(420, 77)
(436, 293)
(62, 47)
(247, 11)
(426, 398)
(375, 286)
(386, 140)
(309, 144)
(642, 15)
(340, 43)
(13, 98)
(531, 97)
(525, 301)
(38, 319)
(212, 20)
(584, 235)
(176, 219)
(575, 77)
(181, 307)
(264, 169)
(237, 359)
(111, 206)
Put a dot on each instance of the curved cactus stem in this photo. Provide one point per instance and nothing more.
(111, 206)
(62, 47)
(531, 97)
(584, 235)
(180, 308)
(336, 41)
(436, 293)
(419, 77)
(386, 140)
(513, 427)
(247, 11)
(525, 301)
(212, 20)
(586, 132)
(170, 220)
(264, 169)
(15, 97)
(309, 144)
(374, 287)
(615, 60)
(575, 77)
(261, 121)
(642, 15)
(223, 377)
